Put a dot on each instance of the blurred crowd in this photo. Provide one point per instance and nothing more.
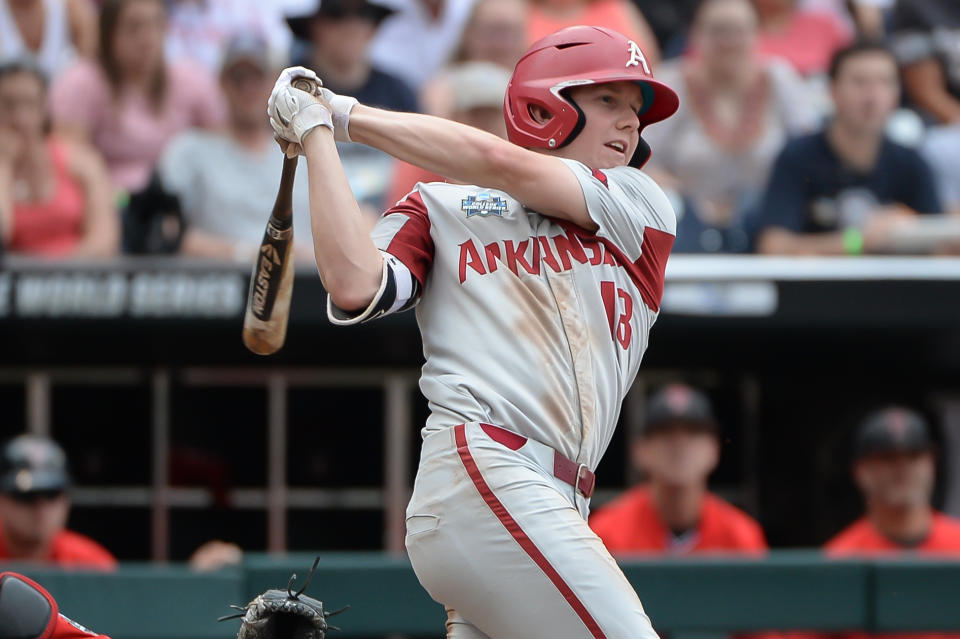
(805, 126)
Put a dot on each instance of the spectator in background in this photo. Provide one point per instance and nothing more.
(548, 16)
(847, 188)
(669, 22)
(894, 469)
(226, 181)
(131, 103)
(736, 112)
(340, 33)
(419, 38)
(866, 17)
(674, 512)
(941, 149)
(34, 507)
(199, 30)
(805, 39)
(494, 35)
(476, 92)
(926, 39)
(51, 32)
(55, 196)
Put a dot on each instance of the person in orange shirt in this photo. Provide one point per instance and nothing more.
(894, 468)
(34, 507)
(674, 512)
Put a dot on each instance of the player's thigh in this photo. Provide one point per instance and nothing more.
(513, 557)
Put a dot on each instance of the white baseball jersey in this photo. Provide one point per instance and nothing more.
(530, 322)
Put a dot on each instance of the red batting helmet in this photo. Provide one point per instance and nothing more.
(572, 57)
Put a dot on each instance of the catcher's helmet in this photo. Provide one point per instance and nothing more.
(572, 57)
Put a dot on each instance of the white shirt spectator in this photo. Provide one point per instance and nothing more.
(413, 45)
(199, 29)
(226, 190)
(942, 150)
(57, 50)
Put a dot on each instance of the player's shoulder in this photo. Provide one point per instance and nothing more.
(734, 519)
(74, 548)
(947, 524)
(469, 198)
(809, 145)
(854, 537)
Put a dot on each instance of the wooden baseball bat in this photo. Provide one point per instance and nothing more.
(271, 284)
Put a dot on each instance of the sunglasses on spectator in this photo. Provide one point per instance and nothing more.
(36, 496)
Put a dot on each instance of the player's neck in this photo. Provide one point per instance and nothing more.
(679, 506)
(249, 135)
(906, 524)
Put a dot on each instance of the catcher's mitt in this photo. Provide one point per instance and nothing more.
(284, 614)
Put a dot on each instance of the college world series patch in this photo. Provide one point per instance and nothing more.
(483, 204)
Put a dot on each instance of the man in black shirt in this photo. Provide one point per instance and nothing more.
(339, 34)
(848, 188)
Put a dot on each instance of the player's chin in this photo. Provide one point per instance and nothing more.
(609, 159)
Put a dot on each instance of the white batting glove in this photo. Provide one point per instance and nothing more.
(341, 106)
(294, 113)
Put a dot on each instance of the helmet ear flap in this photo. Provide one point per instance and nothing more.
(580, 123)
(551, 127)
(641, 155)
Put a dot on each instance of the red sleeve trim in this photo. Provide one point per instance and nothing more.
(600, 175)
(652, 265)
(412, 244)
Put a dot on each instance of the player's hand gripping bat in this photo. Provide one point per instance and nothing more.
(271, 285)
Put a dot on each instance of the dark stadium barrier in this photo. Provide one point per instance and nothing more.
(685, 598)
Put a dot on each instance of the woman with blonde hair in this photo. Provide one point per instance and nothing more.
(736, 111)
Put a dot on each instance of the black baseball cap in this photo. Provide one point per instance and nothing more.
(678, 404)
(891, 430)
(336, 9)
(32, 464)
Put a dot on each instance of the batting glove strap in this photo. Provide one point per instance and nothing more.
(342, 105)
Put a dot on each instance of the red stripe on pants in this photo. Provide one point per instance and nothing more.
(521, 537)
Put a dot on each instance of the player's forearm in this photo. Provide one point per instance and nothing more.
(349, 263)
(455, 150)
(472, 156)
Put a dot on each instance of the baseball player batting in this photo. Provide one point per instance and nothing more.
(537, 280)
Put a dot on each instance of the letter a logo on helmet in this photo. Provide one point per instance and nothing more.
(576, 56)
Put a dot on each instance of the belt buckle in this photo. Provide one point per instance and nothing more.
(580, 470)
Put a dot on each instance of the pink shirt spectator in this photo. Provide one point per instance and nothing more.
(807, 42)
(125, 128)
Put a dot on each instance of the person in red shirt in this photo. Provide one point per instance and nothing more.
(34, 507)
(894, 469)
(674, 512)
(28, 611)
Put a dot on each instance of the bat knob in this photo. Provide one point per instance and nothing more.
(306, 84)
